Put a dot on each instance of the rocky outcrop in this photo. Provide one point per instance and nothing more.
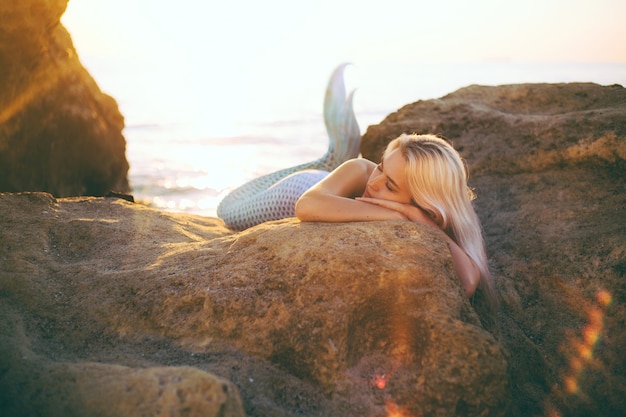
(548, 163)
(58, 132)
(112, 308)
(511, 129)
(155, 310)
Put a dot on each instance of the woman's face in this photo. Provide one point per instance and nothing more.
(388, 180)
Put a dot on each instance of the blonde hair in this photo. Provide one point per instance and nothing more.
(437, 180)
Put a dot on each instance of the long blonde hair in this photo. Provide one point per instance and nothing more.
(437, 180)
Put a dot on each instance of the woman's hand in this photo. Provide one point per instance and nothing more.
(409, 211)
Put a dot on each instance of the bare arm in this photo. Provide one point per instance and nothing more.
(337, 199)
(464, 267)
(332, 199)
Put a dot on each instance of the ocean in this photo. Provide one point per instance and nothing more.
(181, 160)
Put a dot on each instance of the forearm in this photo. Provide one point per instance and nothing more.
(330, 208)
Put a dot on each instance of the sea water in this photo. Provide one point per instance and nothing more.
(186, 164)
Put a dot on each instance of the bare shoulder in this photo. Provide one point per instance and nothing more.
(358, 166)
(353, 171)
(348, 179)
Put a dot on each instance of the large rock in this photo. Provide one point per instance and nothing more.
(511, 129)
(548, 163)
(58, 132)
(104, 299)
(108, 299)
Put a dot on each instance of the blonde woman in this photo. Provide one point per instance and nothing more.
(421, 178)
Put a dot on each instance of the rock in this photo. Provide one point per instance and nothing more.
(58, 132)
(547, 162)
(510, 129)
(35, 385)
(305, 319)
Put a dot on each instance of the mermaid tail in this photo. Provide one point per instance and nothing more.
(341, 125)
(273, 196)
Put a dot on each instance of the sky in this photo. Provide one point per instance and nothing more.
(246, 31)
(255, 56)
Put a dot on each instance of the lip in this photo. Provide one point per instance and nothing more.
(367, 194)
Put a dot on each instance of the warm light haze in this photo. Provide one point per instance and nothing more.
(256, 57)
(217, 93)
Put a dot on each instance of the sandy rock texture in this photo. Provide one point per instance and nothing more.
(547, 162)
(58, 132)
(109, 302)
(109, 308)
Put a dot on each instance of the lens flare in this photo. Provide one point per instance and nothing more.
(590, 336)
(604, 298)
(393, 410)
(380, 381)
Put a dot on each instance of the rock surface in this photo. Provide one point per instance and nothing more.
(548, 163)
(115, 300)
(110, 308)
(58, 132)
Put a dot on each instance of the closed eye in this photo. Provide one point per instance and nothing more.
(387, 183)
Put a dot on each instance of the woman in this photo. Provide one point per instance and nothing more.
(421, 178)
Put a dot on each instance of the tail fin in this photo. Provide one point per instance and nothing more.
(341, 124)
(344, 143)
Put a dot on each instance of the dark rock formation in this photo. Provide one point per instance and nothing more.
(58, 132)
(548, 163)
(307, 319)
